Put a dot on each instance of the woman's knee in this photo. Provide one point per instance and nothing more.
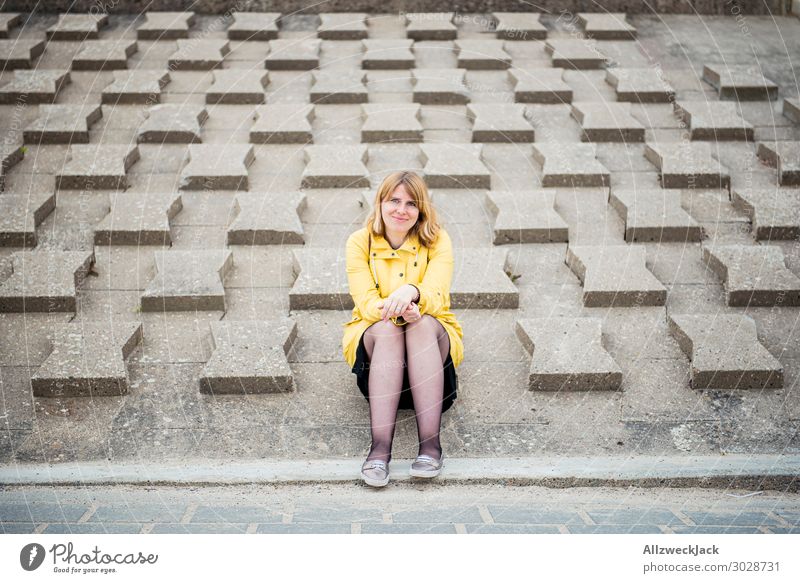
(426, 326)
(385, 333)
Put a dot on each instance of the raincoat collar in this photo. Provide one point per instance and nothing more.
(383, 248)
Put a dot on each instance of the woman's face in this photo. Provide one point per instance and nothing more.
(399, 211)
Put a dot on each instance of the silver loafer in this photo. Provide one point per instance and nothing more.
(375, 473)
(426, 466)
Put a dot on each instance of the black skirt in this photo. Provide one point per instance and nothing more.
(361, 370)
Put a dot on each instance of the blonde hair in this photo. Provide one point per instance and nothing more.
(427, 226)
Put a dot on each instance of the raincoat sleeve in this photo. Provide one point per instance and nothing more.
(434, 289)
(359, 278)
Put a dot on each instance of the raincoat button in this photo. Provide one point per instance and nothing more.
(401, 275)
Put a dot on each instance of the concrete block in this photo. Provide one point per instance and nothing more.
(482, 54)
(19, 53)
(11, 153)
(607, 122)
(20, 214)
(249, 357)
(606, 26)
(519, 26)
(199, 54)
(430, 26)
(165, 25)
(215, 168)
(540, 86)
(62, 124)
(336, 86)
(282, 124)
(342, 26)
(44, 281)
(526, 217)
(575, 54)
(97, 167)
(499, 122)
(754, 275)
(785, 157)
(391, 122)
(88, 360)
(440, 86)
(480, 281)
(740, 83)
(387, 53)
(321, 282)
(448, 166)
(173, 123)
(687, 165)
(34, 87)
(9, 20)
(136, 87)
(774, 212)
(188, 281)
(256, 26)
(263, 220)
(237, 86)
(138, 219)
(654, 215)
(568, 164)
(644, 85)
(791, 109)
(76, 27)
(615, 276)
(102, 55)
(717, 121)
(725, 352)
(567, 354)
(335, 167)
(293, 54)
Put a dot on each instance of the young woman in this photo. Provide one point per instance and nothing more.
(403, 343)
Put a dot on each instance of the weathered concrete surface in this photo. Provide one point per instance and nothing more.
(180, 124)
(20, 214)
(640, 85)
(391, 122)
(569, 165)
(268, 221)
(540, 86)
(282, 124)
(740, 83)
(606, 26)
(212, 168)
(519, 26)
(62, 124)
(335, 167)
(654, 215)
(526, 217)
(136, 87)
(93, 167)
(237, 86)
(254, 26)
(785, 158)
(446, 167)
(32, 87)
(104, 55)
(165, 25)
(687, 165)
(774, 212)
(138, 219)
(188, 280)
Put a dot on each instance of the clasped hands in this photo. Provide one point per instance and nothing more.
(400, 303)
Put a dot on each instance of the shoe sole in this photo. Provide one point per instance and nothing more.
(374, 483)
(425, 473)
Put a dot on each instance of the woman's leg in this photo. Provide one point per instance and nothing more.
(386, 349)
(427, 345)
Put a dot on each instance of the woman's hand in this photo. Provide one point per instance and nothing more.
(397, 302)
(412, 313)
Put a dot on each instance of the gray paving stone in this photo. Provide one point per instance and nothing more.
(430, 26)
(754, 275)
(438, 516)
(387, 53)
(717, 121)
(725, 352)
(615, 529)
(254, 26)
(9, 20)
(740, 83)
(173, 123)
(687, 165)
(99, 55)
(654, 215)
(510, 529)
(567, 354)
(791, 109)
(446, 166)
(607, 122)
(213, 168)
(575, 54)
(138, 219)
(62, 124)
(335, 86)
(321, 282)
(308, 528)
(85, 528)
(249, 358)
(138, 512)
(88, 360)
(19, 53)
(569, 164)
(237, 86)
(272, 220)
(236, 514)
(282, 124)
(20, 214)
(481, 281)
(499, 122)
(42, 512)
(77, 26)
(141, 87)
(342, 26)
(335, 167)
(97, 166)
(526, 217)
(217, 529)
(391, 122)
(196, 54)
(502, 514)
(615, 276)
(44, 281)
(785, 157)
(540, 86)
(644, 85)
(293, 54)
(519, 26)
(774, 212)
(440, 86)
(11, 153)
(482, 54)
(188, 281)
(636, 516)
(606, 25)
(165, 25)
(34, 87)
